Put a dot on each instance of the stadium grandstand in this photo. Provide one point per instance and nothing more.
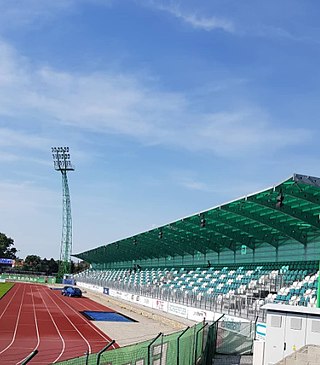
(261, 248)
(230, 260)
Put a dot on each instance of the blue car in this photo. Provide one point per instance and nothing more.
(70, 291)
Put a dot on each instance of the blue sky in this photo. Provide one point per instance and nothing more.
(168, 107)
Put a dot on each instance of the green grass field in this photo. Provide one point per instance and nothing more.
(4, 288)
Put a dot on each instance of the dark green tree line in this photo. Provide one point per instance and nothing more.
(33, 263)
(6, 247)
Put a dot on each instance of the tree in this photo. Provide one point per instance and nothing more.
(80, 266)
(53, 266)
(49, 267)
(32, 263)
(45, 266)
(6, 249)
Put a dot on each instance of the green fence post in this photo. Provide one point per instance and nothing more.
(178, 344)
(149, 346)
(87, 357)
(31, 356)
(196, 342)
(210, 342)
(103, 350)
(216, 323)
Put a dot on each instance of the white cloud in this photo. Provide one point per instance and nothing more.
(192, 184)
(8, 157)
(35, 13)
(189, 181)
(244, 131)
(195, 20)
(12, 138)
(25, 12)
(205, 23)
(128, 105)
(29, 207)
(16, 145)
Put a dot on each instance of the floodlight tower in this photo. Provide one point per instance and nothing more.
(62, 163)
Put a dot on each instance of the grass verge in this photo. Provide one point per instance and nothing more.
(4, 288)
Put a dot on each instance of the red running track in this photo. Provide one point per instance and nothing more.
(35, 317)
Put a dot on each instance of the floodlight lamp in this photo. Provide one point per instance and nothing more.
(61, 159)
(202, 221)
(280, 199)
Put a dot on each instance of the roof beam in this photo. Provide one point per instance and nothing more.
(174, 246)
(225, 232)
(304, 217)
(223, 228)
(184, 246)
(161, 245)
(296, 192)
(206, 241)
(255, 217)
(134, 250)
(224, 240)
(152, 246)
(283, 227)
(258, 235)
(117, 253)
(190, 237)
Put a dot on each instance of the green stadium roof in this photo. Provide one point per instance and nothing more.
(289, 211)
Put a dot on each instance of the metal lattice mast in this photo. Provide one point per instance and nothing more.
(62, 163)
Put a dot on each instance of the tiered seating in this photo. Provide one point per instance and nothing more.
(288, 283)
(303, 292)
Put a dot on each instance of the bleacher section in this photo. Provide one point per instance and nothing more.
(239, 290)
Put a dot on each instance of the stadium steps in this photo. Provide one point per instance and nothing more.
(232, 360)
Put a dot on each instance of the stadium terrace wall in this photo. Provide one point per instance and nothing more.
(288, 251)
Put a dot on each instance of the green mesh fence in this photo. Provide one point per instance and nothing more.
(29, 278)
(209, 343)
(180, 348)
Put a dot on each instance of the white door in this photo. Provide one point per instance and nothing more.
(295, 335)
(313, 331)
(276, 323)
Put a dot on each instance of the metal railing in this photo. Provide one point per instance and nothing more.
(246, 306)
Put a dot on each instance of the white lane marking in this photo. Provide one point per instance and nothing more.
(89, 346)
(9, 303)
(79, 315)
(16, 326)
(56, 327)
(36, 325)
(98, 306)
